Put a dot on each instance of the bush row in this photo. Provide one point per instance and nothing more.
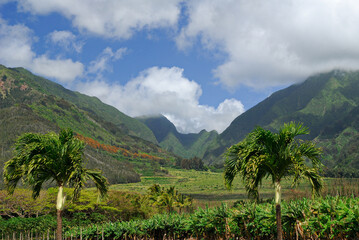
(324, 218)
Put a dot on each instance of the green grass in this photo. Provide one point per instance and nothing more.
(208, 187)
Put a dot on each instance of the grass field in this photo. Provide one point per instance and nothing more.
(208, 187)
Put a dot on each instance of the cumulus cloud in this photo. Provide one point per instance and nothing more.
(110, 18)
(65, 70)
(66, 40)
(15, 51)
(103, 61)
(166, 91)
(15, 44)
(269, 43)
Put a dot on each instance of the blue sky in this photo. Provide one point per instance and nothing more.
(201, 63)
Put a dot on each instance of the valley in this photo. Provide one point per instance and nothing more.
(140, 154)
(327, 103)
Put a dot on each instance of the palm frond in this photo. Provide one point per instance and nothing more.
(99, 180)
(315, 180)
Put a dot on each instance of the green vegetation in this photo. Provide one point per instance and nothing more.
(192, 163)
(20, 211)
(184, 145)
(324, 218)
(33, 104)
(263, 154)
(51, 157)
(168, 199)
(92, 105)
(327, 103)
(206, 187)
(131, 214)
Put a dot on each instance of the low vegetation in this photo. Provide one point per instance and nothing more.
(323, 218)
(129, 213)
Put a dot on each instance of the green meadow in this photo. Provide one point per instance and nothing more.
(207, 188)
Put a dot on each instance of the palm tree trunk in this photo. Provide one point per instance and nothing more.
(278, 193)
(59, 207)
(59, 225)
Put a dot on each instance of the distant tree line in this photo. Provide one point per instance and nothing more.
(341, 172)
(192, 163)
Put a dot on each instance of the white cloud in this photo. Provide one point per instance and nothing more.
(274, 42)
(15, 45)
(103, 61)
(16, 51)
(166, 91)
(64, 70)
(66, 40)
(111, 18)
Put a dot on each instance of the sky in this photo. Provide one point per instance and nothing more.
(200, 63)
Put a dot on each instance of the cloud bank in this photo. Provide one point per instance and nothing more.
(274, 42)
(166, 91)
(266, 43)
(118, 19)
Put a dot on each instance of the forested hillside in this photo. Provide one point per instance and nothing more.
(327, 103)
(115, 141)
(185, 145)
(124, 147)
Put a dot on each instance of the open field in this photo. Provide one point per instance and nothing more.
(208, 187)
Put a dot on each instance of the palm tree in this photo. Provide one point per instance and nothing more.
(264, 154)
(43, 157)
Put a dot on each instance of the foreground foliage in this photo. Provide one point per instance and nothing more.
(324, 218)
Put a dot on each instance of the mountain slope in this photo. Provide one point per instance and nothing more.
(185, 145)
(326, 103)
(90, 104)
(29, 104)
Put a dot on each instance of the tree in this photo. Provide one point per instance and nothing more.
(263, 154)
(168, 198)
(39, 158)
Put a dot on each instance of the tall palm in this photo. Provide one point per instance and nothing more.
(50, 157)
(264, 154)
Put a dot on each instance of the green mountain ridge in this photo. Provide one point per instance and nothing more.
(185, 145)
(326, 103)
(90, 104)
(33, 104)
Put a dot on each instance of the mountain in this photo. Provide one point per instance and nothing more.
(116, 142)
(92, 105)
(184, 145)
(327, 103)
(124, 147)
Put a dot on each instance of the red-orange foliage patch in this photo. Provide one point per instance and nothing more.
(113, 149)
